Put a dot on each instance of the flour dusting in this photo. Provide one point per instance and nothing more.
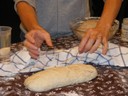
(72, 93)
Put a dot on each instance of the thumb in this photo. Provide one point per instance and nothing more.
(48, 41)
(45, 37)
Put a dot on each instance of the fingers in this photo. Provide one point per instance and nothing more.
(29, 36)
(96, 45)
(33, 50)
(34, 40)
(30, 45)
(33, 53)
(48, 40)
(83, 43)
(92, 40)
(105, 46)
(89, 45)
(87, 41)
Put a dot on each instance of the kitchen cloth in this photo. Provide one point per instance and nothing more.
(21, 61)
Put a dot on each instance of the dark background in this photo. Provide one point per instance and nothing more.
(9, 17)
(97, 7)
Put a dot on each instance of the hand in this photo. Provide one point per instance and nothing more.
(34, 40)
(92, 40)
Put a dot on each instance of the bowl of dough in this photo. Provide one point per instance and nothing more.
(81, 25)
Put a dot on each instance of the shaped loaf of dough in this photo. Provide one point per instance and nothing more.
(60, 76)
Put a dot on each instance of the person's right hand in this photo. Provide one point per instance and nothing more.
(34, 40)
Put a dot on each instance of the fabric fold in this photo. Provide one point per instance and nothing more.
(21, 61)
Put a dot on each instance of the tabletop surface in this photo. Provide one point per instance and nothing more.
(111, 81)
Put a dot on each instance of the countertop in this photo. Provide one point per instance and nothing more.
(111, 80)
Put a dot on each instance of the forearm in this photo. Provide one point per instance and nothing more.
(110, 11)
(27, 16)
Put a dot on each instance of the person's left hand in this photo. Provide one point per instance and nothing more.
(92, 40)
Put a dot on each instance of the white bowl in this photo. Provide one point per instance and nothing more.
(80, 26)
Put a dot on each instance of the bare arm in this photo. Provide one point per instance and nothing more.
(36, 35)
(94, 37)
(110, 11)
(27, 15)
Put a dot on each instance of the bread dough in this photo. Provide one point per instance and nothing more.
(60, 76)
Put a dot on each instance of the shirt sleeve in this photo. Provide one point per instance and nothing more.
(30, 2)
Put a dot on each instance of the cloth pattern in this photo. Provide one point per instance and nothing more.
(21, 61)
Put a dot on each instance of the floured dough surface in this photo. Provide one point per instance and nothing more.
(60, 76)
